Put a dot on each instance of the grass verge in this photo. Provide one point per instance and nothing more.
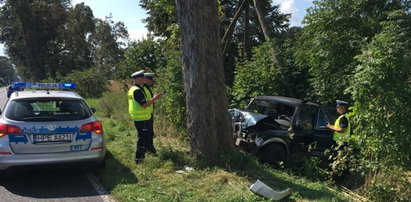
(164, 178)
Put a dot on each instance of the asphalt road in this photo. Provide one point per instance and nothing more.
(48, 183)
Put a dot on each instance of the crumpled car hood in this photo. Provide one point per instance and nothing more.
(250, 118)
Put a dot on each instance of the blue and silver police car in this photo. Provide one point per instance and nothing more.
(48, 123)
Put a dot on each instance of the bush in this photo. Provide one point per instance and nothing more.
(89, 83)
(381, 90)
(258, 77)
(389, 184)
(114, 105)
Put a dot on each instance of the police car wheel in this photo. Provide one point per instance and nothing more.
(3, 174)
(102, 164)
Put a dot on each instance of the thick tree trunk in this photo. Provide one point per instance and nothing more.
(207, 114)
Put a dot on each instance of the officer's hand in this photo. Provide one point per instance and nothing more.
(158, 96)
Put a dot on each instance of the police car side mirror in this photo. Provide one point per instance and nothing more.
(93, 109)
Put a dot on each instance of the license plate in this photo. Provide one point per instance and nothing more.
(41, 138)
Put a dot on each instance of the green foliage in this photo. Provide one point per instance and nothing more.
(169, 80)
(7, 72)
(312, 168)
(334, 34)
(259, 76)
(89, 83)
(161, 15)
(165, 178)
(50, 39)
(146, 54)
(389, 184)
(114, 105)
(80, 23)
(27, 27)
(381, 91)
(106, 42)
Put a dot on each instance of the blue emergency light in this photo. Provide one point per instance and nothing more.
(34, 85)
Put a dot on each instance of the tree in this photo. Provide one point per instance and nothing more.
(27, 27)
(50, 39)
(161, 15)
(77, 47)
(162, 18)
(208, 123)
(335, 33)
(381, 90)
(144, 54)
(107, 41)
(7, 72)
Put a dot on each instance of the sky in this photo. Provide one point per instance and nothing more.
(129, 12)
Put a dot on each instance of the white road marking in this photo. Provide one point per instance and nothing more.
(99, 188)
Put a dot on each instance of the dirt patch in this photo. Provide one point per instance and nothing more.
(119, 85)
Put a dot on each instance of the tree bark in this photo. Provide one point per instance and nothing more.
(207, 109)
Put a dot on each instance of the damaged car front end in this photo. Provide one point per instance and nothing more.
(278, 128)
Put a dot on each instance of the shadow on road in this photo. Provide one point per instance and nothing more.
(62, 181)
(49, 182)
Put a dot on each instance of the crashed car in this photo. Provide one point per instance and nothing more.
(279, 129)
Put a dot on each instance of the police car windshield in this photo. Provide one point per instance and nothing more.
(47, 110)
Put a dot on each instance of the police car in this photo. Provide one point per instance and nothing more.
(47, 123)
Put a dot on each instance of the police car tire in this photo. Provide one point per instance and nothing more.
(100, 165)
(3, 174)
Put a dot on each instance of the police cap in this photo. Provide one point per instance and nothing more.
(138, 74)
(149, 75)
(341, 103)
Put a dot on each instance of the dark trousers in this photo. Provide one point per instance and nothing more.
(150, 145)
(145, 138)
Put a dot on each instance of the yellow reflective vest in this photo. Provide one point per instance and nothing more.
(148, 97)
(337, 136)
(137, 111)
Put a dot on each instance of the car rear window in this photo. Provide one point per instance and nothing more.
(47, 110)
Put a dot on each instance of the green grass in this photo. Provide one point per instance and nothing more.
(156, 179)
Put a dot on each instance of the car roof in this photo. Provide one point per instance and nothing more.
(286, 100)
(26, 94)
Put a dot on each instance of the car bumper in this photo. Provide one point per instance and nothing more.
(94, 156)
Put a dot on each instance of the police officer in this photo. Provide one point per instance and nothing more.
(139, 110)
(149, 83)
(341, 126)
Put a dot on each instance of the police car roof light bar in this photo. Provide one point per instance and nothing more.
(34, 85)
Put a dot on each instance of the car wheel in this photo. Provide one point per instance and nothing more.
(99, 166)
(273, 154)
(3, 174)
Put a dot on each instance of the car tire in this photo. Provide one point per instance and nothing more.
(3, 174)
(100, 165)
(273, 154)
